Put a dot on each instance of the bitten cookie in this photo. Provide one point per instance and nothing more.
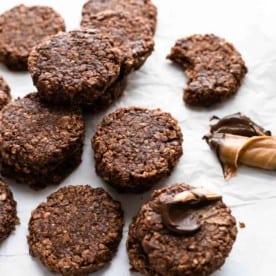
(214, 68)
(8, 215)
(75, 68)
(182, 230)
(130, 34)
(39, 145)
(76, 231)
(141, 8)
(21, 28)
(5, 95)
(135, 147)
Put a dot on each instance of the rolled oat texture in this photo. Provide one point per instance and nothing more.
(154, 249)
(22, 28)
(142, 8)
(136, 147)
(214, 68)
(8, 212)
(76, 231)
(5, 95)
(39, 145)
(130, 34)
(75, 68)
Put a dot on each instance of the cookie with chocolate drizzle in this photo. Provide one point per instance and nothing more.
(182, 230)
(238, 140)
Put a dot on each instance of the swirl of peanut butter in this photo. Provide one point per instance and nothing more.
(238, 140)
(185, 212)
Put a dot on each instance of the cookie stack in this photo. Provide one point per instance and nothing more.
(39, 145)
(41, 134)
(89, 67)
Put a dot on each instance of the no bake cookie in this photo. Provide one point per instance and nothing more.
(76, 231)
(23, 27)
(214, 68)
(135, 147)
(75, 68)
(142, 8)
(39, 145)
(182, 230)
(129, 33)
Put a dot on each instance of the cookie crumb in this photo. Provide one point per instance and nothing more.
(242, 224)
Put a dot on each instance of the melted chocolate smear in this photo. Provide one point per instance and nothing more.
(180, 217)
(238, 124)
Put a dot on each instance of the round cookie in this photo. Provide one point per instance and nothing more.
(76, 231)
(21, 28)
(136, 147)
(39, 145)
(5, 95)
(142, 8)
(8, 215)
(130, 34)
(214, 68)
(75, 68)
(182, 230)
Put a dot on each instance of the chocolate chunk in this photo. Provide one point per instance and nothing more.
(130, 34)
(135, 147)
(22, 28)
(153, 249)
(5, 95)
(8, 215)
(39, 145)
(213, 66)
(141, 8)
(76, 231)
(75, 68)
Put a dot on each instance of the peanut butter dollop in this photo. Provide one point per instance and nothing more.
(185, 212)
(238, 140)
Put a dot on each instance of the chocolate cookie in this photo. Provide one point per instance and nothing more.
(130, 34)
(21, 28)
(75, 68)
(135, 147)
(39, 145)
(213, 66)
(182, 230)
(76, 231)
(8, 215)
(5, 95)
(141, 8)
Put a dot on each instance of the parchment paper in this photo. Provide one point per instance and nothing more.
(250, 26)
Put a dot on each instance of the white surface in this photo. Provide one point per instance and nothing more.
(250, 26)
